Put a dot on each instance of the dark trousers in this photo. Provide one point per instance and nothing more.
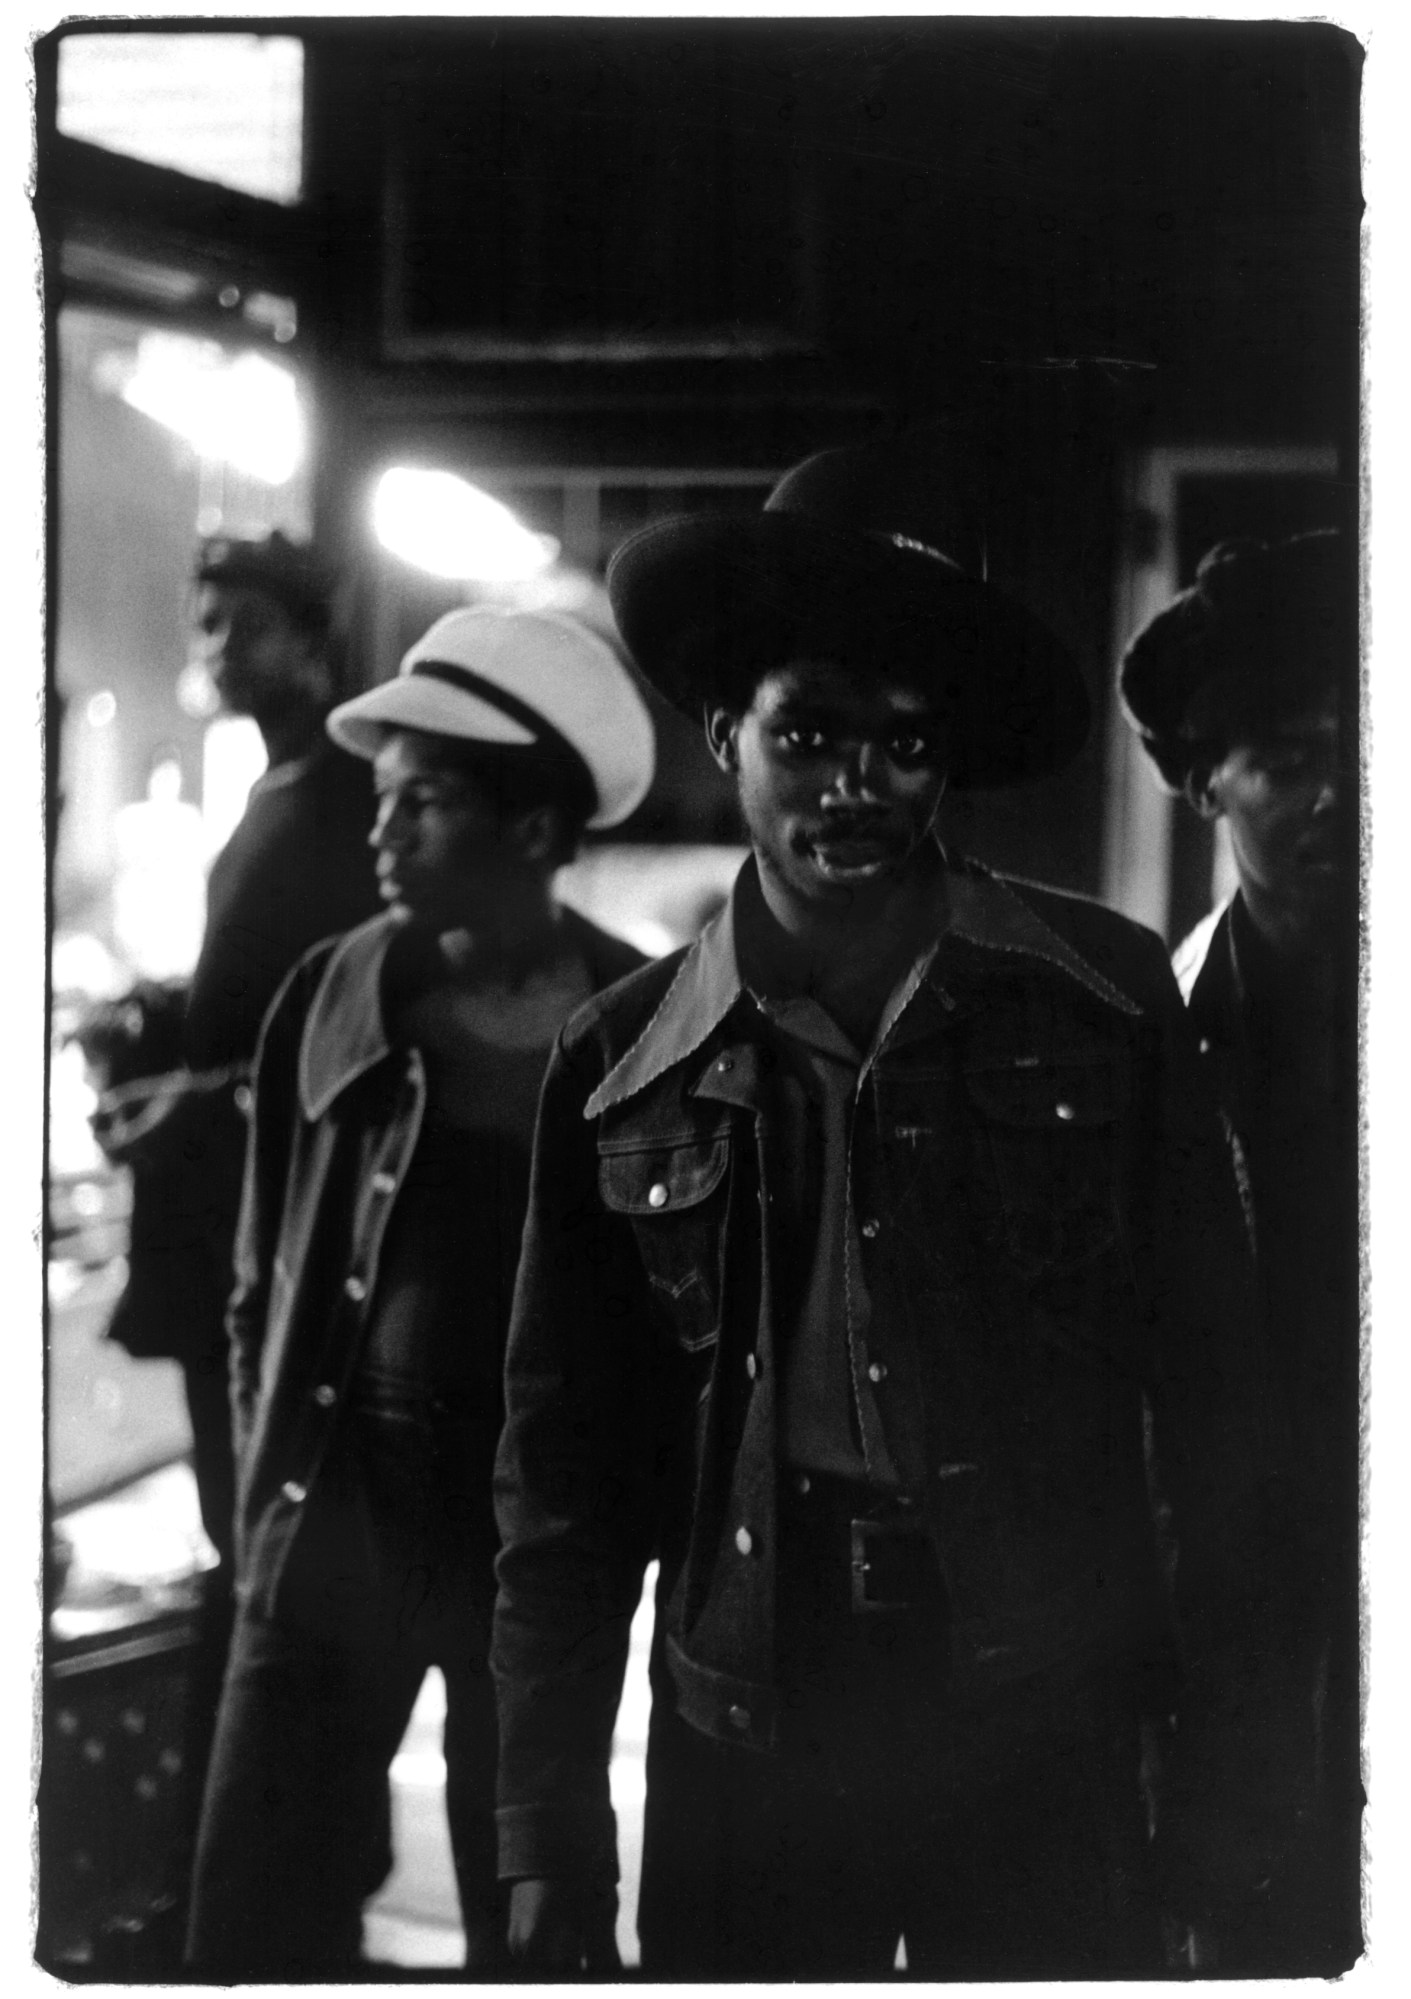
(390, 1574)
(1001, 1837)
(207, 1384)
(213, 1463)
(1305, 1922)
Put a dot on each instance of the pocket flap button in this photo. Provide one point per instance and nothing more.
(657, 1195)
(744, 1540)
(740, 1718)
(1065, 1111)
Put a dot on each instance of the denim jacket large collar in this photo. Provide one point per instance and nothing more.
(976, 906)
(346, 1033)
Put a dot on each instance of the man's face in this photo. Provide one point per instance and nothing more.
(444, 858)
(840, 776)
(255, 653)
(1280, 794)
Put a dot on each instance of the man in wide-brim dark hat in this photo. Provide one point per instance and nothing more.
(880, 1249)
(701, 599)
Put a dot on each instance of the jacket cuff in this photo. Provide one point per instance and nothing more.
(555, 1842)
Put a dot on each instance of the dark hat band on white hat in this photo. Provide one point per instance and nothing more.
(545, 735)
(522, 682)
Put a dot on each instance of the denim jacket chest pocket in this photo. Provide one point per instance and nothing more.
(1049, 1128)
(674, 1194)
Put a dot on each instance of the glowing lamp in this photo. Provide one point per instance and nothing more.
(442, 524)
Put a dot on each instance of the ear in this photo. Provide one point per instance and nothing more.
(315, 671)
(1201, 790)
(536, 833)
(722, 730)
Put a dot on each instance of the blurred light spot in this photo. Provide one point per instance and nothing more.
(442, 524)
(277, 315)
(233, 758)
(196, 692)
(241, 411)
(419, 1769)
(101, 709)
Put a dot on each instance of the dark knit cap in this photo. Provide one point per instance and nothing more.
(286, 570)
(1265, 629)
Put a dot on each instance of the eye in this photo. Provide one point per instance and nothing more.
(1286, 763)
(909, 747)
(410, 798)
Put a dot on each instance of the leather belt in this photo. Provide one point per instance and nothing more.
(893, 1566)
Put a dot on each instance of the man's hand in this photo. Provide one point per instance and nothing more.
(562, 1928)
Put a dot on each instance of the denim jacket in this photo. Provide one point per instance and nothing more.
(1035, 1154)
(336, 1113)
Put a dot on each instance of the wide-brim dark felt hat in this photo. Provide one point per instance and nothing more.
(844, 556)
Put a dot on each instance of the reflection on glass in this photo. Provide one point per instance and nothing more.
(152, 781)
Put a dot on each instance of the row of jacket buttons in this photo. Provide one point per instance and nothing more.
(325, 1395)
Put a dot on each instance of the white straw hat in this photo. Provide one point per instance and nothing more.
(517, 678)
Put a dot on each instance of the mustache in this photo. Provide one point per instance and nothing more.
(845, 825)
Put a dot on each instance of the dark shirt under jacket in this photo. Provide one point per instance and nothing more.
(431, 1255)
(842, 1341)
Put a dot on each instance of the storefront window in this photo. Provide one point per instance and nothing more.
(164, 437)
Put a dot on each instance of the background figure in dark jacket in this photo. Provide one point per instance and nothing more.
(386, 1183)
(883, 1267)
(1239, 690)
(295, 869)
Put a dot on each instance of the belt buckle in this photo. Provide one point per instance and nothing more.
(865, 1533)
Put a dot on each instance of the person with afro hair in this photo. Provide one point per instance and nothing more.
(1240, 690)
